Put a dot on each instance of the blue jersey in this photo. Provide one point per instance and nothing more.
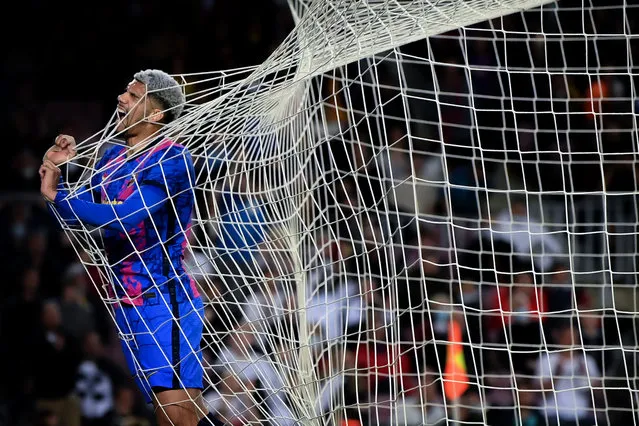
(144, 206)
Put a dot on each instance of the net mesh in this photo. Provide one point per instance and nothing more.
(415, 212)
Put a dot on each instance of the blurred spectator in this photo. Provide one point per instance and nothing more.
(429, 173)
(470, 407)
(368, 166)
(560, 290)
(359, 298)
(235, 399)
(27, 127)
(454, 97)
(37, 255)
(249, 377)
(469, 182)
(327, 306)
(424, 405)
(265, 308)
(46, 417)
(527, 236)
(570, 380)
(96, 381)
(126, 412)
(54, 361)
(78, 316)
(427, 269)
(517, 312)
(523, 410)
(591, 331)
(21, 220)
(381, 358)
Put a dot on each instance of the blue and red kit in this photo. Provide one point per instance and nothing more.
(143, 204)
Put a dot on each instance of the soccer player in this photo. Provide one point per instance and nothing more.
(143, 201)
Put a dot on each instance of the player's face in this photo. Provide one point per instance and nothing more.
(133, 107)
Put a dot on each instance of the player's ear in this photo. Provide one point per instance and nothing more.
(156, 115)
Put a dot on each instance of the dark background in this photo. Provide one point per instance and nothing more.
(65, 62)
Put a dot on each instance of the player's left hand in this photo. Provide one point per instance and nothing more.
(49, 176)
(62, 150)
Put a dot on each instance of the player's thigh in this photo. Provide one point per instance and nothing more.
(191, 325)
(168, 343)
(190, 369)
(155, 336)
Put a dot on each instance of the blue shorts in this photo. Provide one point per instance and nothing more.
(161, 342)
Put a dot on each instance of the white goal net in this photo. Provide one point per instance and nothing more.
(416, 212)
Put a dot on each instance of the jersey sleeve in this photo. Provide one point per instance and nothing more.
(86, 194)
(137, 207)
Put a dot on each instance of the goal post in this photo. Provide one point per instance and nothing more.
(416, 212)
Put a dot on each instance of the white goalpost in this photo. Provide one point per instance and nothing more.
(416, 212)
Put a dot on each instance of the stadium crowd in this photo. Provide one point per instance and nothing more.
(468, 254)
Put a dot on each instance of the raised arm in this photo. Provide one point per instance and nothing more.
(82, 194)
(125, 216)
(63, 150)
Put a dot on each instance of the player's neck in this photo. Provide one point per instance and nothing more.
(138, 142)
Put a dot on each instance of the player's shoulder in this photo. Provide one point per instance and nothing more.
(170, 156)
(110, 154)
(112, 150)
(168, 149)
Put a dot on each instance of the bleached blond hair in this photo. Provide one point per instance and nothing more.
(164, 89)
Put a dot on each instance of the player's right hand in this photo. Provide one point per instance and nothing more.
(62, 150)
